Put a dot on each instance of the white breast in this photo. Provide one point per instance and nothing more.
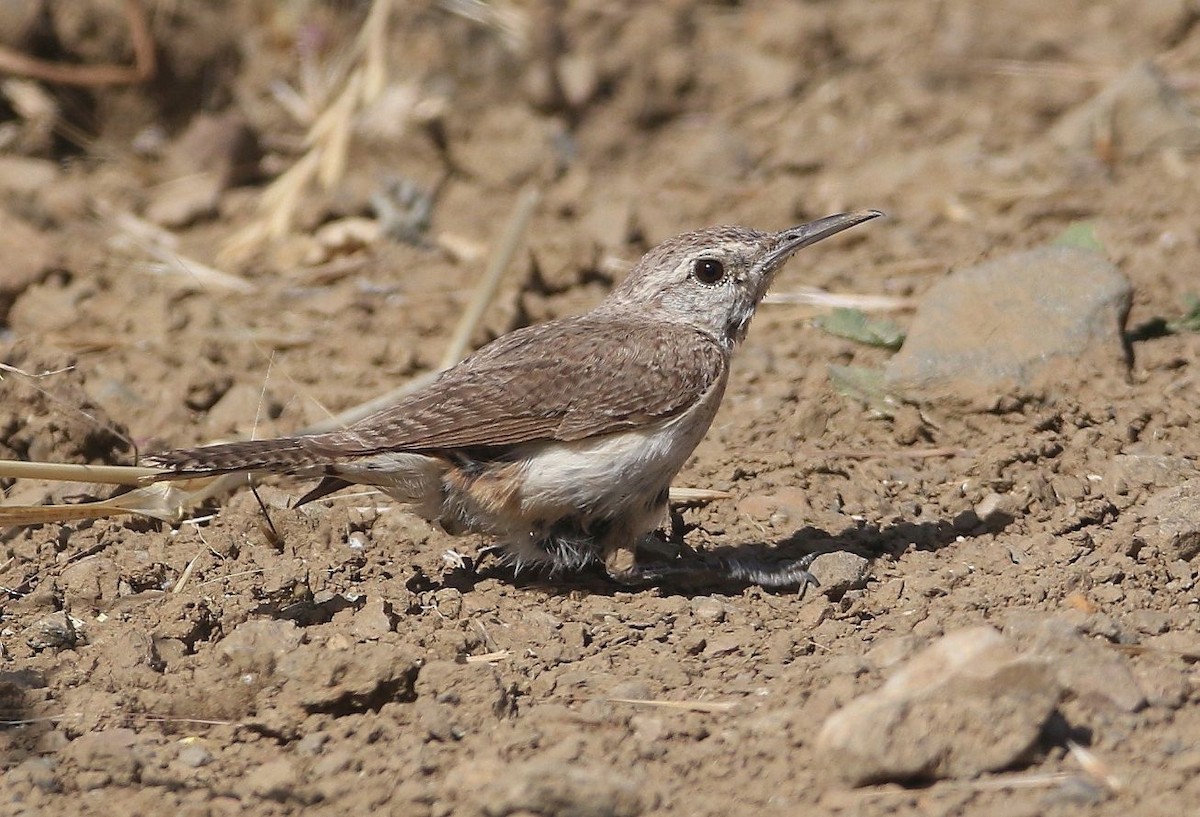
(603, 476)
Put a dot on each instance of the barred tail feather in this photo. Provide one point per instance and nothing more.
(286, 455)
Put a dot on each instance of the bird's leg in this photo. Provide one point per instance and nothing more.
(618, 544)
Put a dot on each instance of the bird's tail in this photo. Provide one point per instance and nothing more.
(287, 455)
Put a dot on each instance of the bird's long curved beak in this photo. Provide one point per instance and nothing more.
(802, 236)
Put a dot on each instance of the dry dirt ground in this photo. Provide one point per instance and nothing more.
(347, 661)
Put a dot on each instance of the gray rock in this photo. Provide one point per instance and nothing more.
(449, 682)
(221, 144)
(1130, 471)
(339, 675)
(1008, 321)
(373, 620)
(724, 645)
(26, 253)
(275, 780)
(258, 645)
(90, 582)
(552, 788)
(1172, 521)
(195, 755)
(312, 744)
(35, 772)
(109, 752)
(997, 508)
(968, 704)
(708, 609)
(839, 572)
(1182, 574)
(1138, 113)
(215, 152)
(57, 631)
(1086, 667)
(1180, 642)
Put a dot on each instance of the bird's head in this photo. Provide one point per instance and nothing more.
(714, 279)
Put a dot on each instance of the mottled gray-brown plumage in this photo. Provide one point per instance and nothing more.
(561, 440)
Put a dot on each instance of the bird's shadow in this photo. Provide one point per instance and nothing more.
(870, 541)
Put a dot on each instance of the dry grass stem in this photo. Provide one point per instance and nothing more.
(160, 245)
(60, 73)
(1041, 69)
(44, 719)
(166, 719)
(485, 293)
(909, 453)
(237, 575)
(1143, 649)
(686, 706)
(502, 16)
(1000, 783)
(489, 657)
(71, 472)
(811, 296)
(1021, 781)
(4, 367)
(681, 496)
(187, 574)
(1094, 766)
(166, 501)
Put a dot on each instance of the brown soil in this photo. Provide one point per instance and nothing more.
(346, 663)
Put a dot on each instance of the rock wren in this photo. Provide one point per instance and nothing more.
(560, 440)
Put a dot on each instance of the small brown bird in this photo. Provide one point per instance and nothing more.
(560, 440)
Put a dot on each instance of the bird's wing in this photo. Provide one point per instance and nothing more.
(565, 380)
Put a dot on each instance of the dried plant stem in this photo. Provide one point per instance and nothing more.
(488, 657)
(144, 65)
(819, 297)
(70, 472)
(187, 574)
(1046, 70)
(163, 500)
(686, 706)
(910, 453)
(1095, 767)
(681, 496)
(488, 286)
(160, 245)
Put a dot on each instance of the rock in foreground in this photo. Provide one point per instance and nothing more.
(966, 705)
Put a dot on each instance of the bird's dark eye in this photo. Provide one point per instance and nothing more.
(708, 270)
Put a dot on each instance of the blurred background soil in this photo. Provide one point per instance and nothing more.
(222, 219)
